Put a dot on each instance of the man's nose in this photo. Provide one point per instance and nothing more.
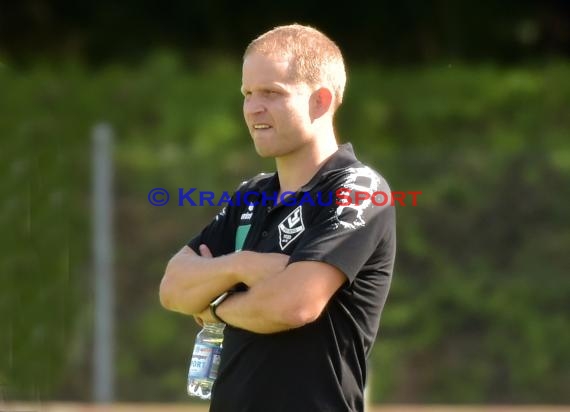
(252, 105)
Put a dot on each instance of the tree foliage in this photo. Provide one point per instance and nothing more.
(478, 311)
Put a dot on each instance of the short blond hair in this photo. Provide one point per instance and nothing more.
(316, 58)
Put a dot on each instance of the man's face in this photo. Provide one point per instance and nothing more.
(276, 109)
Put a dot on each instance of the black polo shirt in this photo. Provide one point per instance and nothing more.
(320, 366)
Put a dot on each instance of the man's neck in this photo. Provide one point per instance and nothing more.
(297, 169)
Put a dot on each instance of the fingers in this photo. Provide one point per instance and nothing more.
(281, 260)
(275, 262)
(262, 265)
(205, 251)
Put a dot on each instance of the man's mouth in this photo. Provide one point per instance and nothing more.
(261, 126)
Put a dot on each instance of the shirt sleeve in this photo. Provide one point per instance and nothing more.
(352, 235)
(219, 235)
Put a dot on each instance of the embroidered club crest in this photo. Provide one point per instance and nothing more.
(291, 227)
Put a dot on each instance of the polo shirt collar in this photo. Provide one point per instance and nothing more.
(342, 158)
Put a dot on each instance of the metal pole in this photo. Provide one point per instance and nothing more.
(103, 349)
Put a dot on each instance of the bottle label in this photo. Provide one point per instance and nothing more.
(202, 357)
(216, 356)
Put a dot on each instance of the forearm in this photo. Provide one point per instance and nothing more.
(267, 307)
(243, 310)
(191, 281)
(287, 300)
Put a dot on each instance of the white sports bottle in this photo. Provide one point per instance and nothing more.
(205, 360)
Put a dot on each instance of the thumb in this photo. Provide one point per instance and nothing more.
(205, 252)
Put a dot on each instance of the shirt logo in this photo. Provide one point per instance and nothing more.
(351, 214)
(291, 227)
(247, 215)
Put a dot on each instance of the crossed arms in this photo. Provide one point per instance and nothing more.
(281, 296)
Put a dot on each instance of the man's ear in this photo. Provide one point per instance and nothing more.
(320, 103)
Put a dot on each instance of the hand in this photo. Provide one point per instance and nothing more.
(204, 316)
(255, 266)
(205, 251)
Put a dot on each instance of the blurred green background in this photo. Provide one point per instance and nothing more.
(468, 102)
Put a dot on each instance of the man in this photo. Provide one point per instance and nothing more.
(309, 285)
